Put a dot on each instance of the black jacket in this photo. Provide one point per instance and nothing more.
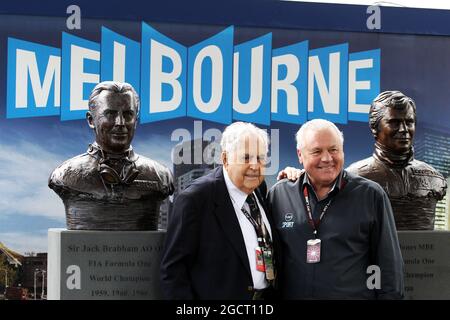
(357, 231)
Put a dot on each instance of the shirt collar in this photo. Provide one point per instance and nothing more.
(236, 195)
(336, 186)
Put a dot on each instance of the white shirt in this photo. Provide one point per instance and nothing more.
(238, 198)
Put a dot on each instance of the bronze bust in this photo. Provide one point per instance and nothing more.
(413, 186)
(110, 187)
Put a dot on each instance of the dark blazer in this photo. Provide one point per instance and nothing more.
(204, 255)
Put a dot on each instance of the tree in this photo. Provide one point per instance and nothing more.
(7, 270)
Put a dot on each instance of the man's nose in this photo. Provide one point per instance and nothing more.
(120, 120)
(254, 164)
(326, 156)
(402, 127)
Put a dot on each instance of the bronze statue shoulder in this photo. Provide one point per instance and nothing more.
(78, 174)
(436, 182)
(374, 170)
(151, 171)
(420, 167)
(362, 166)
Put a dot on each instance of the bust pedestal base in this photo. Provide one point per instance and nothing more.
(105, 265)
(427, 264)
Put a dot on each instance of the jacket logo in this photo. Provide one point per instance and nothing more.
(288, 223)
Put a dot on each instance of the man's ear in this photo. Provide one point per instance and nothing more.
(224, 159)
(90, 120)
(299, 154)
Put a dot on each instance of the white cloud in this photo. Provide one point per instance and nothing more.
(25, 242)
(24, 171)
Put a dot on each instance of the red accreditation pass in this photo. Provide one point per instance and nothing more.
(259, 260)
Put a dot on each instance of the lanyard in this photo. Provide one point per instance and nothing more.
(312, 223)
(260, 228)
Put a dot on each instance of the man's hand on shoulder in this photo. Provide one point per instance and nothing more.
(291, 173)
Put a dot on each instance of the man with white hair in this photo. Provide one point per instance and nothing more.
(336, 229)
(219, 242)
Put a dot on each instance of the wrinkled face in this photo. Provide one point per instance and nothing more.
(396, 129)
(114, 120)
(245, 165)
(322, 156)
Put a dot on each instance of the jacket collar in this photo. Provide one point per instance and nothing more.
(97, 152)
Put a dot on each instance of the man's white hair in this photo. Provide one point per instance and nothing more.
(315, 125)
(234, 132)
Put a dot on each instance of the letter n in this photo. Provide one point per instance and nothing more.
(328, 83)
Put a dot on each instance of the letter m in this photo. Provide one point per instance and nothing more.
(33, 79)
